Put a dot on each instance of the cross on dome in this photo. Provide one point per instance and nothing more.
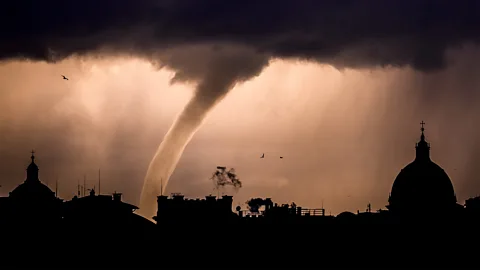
(422, 124)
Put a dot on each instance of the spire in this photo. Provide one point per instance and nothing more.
(422, 147)
(32, 157)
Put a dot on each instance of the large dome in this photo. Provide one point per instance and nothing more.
(422, 184)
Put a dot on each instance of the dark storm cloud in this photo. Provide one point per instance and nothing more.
(345, 33)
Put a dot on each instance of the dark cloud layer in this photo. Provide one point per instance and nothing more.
(345, 33)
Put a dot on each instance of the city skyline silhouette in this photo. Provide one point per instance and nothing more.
(436, 180)
(239, 134)
(422, 196)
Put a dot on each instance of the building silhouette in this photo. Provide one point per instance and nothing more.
(103, 212)
(176, 209)
(208, 229)
(32, 201)
(422, 190)
(422, 187)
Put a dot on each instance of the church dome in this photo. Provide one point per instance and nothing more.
(32, 188)
(422, 184)
(346, 215)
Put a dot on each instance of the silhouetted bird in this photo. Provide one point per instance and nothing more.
(263, 155)
(281, 157)
(65, 78)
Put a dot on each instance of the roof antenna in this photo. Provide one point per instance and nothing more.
(84, 184)
(98, 181)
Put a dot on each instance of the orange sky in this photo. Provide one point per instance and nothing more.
(344, 134)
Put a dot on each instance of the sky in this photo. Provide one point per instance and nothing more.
(336, 88)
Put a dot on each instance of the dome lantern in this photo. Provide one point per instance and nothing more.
(32, 169)
(422, 147)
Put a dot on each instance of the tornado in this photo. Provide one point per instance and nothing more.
(170, 150)
(221, 72)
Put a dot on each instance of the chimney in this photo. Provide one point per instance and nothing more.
(117, 197)
(227, 203)
(210, 198)
(162, 208)
(268, 204)
(162, 198)
(178, 197)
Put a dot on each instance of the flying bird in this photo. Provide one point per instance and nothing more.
(65, 78)
(263, 155)
(281, 157)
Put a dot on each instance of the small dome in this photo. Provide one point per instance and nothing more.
(32, 190)
(346, 215)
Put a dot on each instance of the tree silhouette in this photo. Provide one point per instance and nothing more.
(223, 177)
(254, 204)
